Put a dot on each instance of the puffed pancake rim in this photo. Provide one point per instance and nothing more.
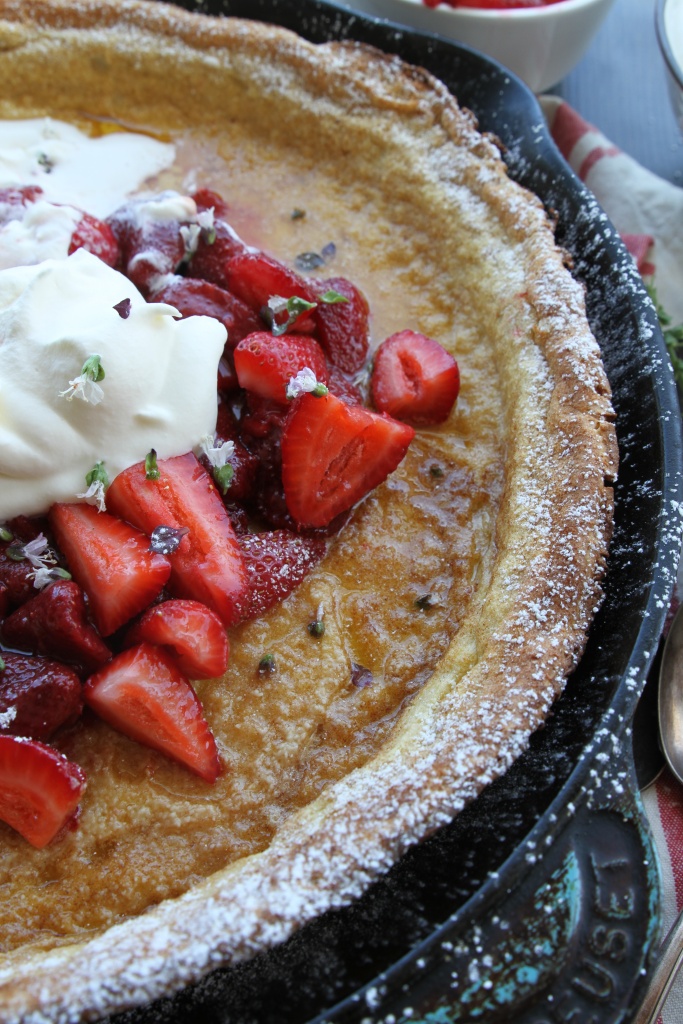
(327, 784)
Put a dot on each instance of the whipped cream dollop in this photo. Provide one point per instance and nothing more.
(95, 173)
(159, 388)
(41, 231)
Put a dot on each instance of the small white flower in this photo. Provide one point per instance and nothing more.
(95, 495)
(303, 383)
(85, 388)
(38, 552)
(205, 219)
(190, 235)
(276, 304)
(42, 577)
(218, 455)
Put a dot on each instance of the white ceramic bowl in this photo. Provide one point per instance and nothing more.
(540, 44)
(669, 21)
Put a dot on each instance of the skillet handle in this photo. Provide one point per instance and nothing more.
(565, 935)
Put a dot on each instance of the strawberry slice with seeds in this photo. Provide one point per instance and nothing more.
(333, 454)
(39, 789)
(96, 237)
(192, 297)
(265, 364)
(16, 577)
(215, 248)
(111, 560)
(143, 694)
(414, 379)
(38, 696)
(208, 565)
(277, 562)
(190, 632)
(342, 327)
(255, 278)
(55, 623)
(151, 244)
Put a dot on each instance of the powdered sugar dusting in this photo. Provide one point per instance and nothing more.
(513, 652)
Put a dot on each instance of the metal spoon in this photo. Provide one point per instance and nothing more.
(671, 738)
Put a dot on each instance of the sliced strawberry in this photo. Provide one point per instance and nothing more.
(151, 246)
(144, 695)
(343, 326)
(25, 528)
(54, 623)
(333, 454)
(277, 561)
(96, 237)
(39, 789)
(207, 199)
(414, 379)
(265, 364)
(217, 247)
(192, 297)
(15, 576)
(261, 418)
(17, 197)
(341, 386)
(111, 560)
(190, 632)
(244, 464)
(255, 278)
(38, 696)
(208, 565)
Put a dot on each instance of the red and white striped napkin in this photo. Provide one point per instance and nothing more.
(648, 214)
(646, 210)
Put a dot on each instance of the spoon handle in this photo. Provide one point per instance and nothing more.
(668, 964)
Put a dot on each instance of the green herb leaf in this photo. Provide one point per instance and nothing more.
(97, 475)
(316, 628)
(293, 306)
(267, 664)
(331, 297)
(223, 476)
(5, 534)
(152, 471)
(92, 369)
(673, 337)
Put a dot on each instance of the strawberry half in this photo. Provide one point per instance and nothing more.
(333, 454)
(343, 326)
(55, 623)
(255, 278)
(192, 297)
(415, 379)
(96, 237)
(208, 565)
(144, 695)
(111, 560)
(39, 789)
(277, 561)
(215, 250)
(265, 364)
(190, 633)
(38, 695)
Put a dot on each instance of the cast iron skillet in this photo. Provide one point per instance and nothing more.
(540, 902)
